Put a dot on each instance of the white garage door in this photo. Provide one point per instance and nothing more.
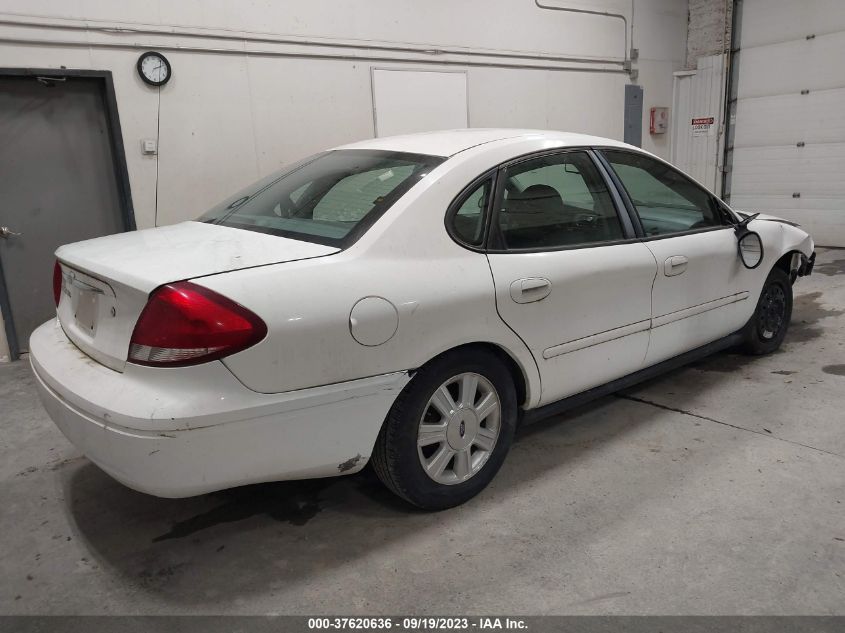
(789, 148)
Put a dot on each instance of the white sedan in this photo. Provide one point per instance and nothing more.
(405, 301)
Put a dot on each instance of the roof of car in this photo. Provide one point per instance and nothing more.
(450, 142)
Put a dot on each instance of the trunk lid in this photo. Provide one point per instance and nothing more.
(106, 281)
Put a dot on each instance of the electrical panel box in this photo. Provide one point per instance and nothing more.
(659, 121)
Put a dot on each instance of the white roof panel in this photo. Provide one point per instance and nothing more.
(450, 142)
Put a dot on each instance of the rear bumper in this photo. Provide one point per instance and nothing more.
(182, 432)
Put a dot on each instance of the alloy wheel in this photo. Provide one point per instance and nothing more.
(459, 428)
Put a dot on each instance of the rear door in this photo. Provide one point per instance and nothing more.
(571, 279)
(701, 292)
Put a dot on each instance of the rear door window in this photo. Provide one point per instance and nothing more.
(468, 221)
(556, 201)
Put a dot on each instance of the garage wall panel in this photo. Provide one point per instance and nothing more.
(821, 217)
(791, 67)
(812, 170)
(789, 143)
(818, 117)
(773, 21)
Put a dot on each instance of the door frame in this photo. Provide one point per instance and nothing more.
(677, 123)
(121, 171)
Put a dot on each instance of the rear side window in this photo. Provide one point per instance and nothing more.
(666, 200)
(468, 221)
(556, 201)
(330, 198)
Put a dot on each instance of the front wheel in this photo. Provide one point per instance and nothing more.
(449, 430)
(767, 327)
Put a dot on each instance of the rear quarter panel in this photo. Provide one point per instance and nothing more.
(443, 295)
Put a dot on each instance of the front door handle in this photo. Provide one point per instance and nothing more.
(6, 232)
(675, 265)
(530, 289)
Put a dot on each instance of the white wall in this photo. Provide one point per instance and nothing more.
(252, 89)
(660, 34)
(258, 84)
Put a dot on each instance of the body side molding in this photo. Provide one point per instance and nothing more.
(571, 402)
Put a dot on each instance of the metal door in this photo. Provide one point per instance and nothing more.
(697, 139)
(701, 292)
(58, 183)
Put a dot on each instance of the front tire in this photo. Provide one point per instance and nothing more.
(448, 432)
(767, 327)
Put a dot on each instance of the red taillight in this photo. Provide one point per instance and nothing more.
(57, 283)
(186, 324)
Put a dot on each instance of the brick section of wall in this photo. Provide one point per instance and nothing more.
(709, 29)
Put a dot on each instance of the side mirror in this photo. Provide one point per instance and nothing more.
(751, 249)
(750, 244)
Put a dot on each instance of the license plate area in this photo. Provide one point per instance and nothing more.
(86, 306)
(92, 319)
(85, 309)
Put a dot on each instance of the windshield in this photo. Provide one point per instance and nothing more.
(330, 198)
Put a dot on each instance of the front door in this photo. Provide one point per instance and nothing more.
(701, 292)
(58, 184)
(570, 279)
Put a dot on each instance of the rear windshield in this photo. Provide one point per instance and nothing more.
(330, 198)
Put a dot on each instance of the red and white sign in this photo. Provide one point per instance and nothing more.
(703, 126)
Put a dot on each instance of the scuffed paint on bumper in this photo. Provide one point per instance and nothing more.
(177, 433)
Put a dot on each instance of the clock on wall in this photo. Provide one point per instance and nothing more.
(154, 68)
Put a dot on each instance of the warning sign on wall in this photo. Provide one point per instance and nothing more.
(703, 126)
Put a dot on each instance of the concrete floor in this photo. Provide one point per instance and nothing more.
(717, 489)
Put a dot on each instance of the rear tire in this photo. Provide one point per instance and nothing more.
(449, 430)
(767, 327)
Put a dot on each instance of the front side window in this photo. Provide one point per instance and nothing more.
(666, 201)
(327, 198)
(556, 201)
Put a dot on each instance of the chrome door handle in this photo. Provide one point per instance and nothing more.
(5, 232)
(675, 265)
(530, 289)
